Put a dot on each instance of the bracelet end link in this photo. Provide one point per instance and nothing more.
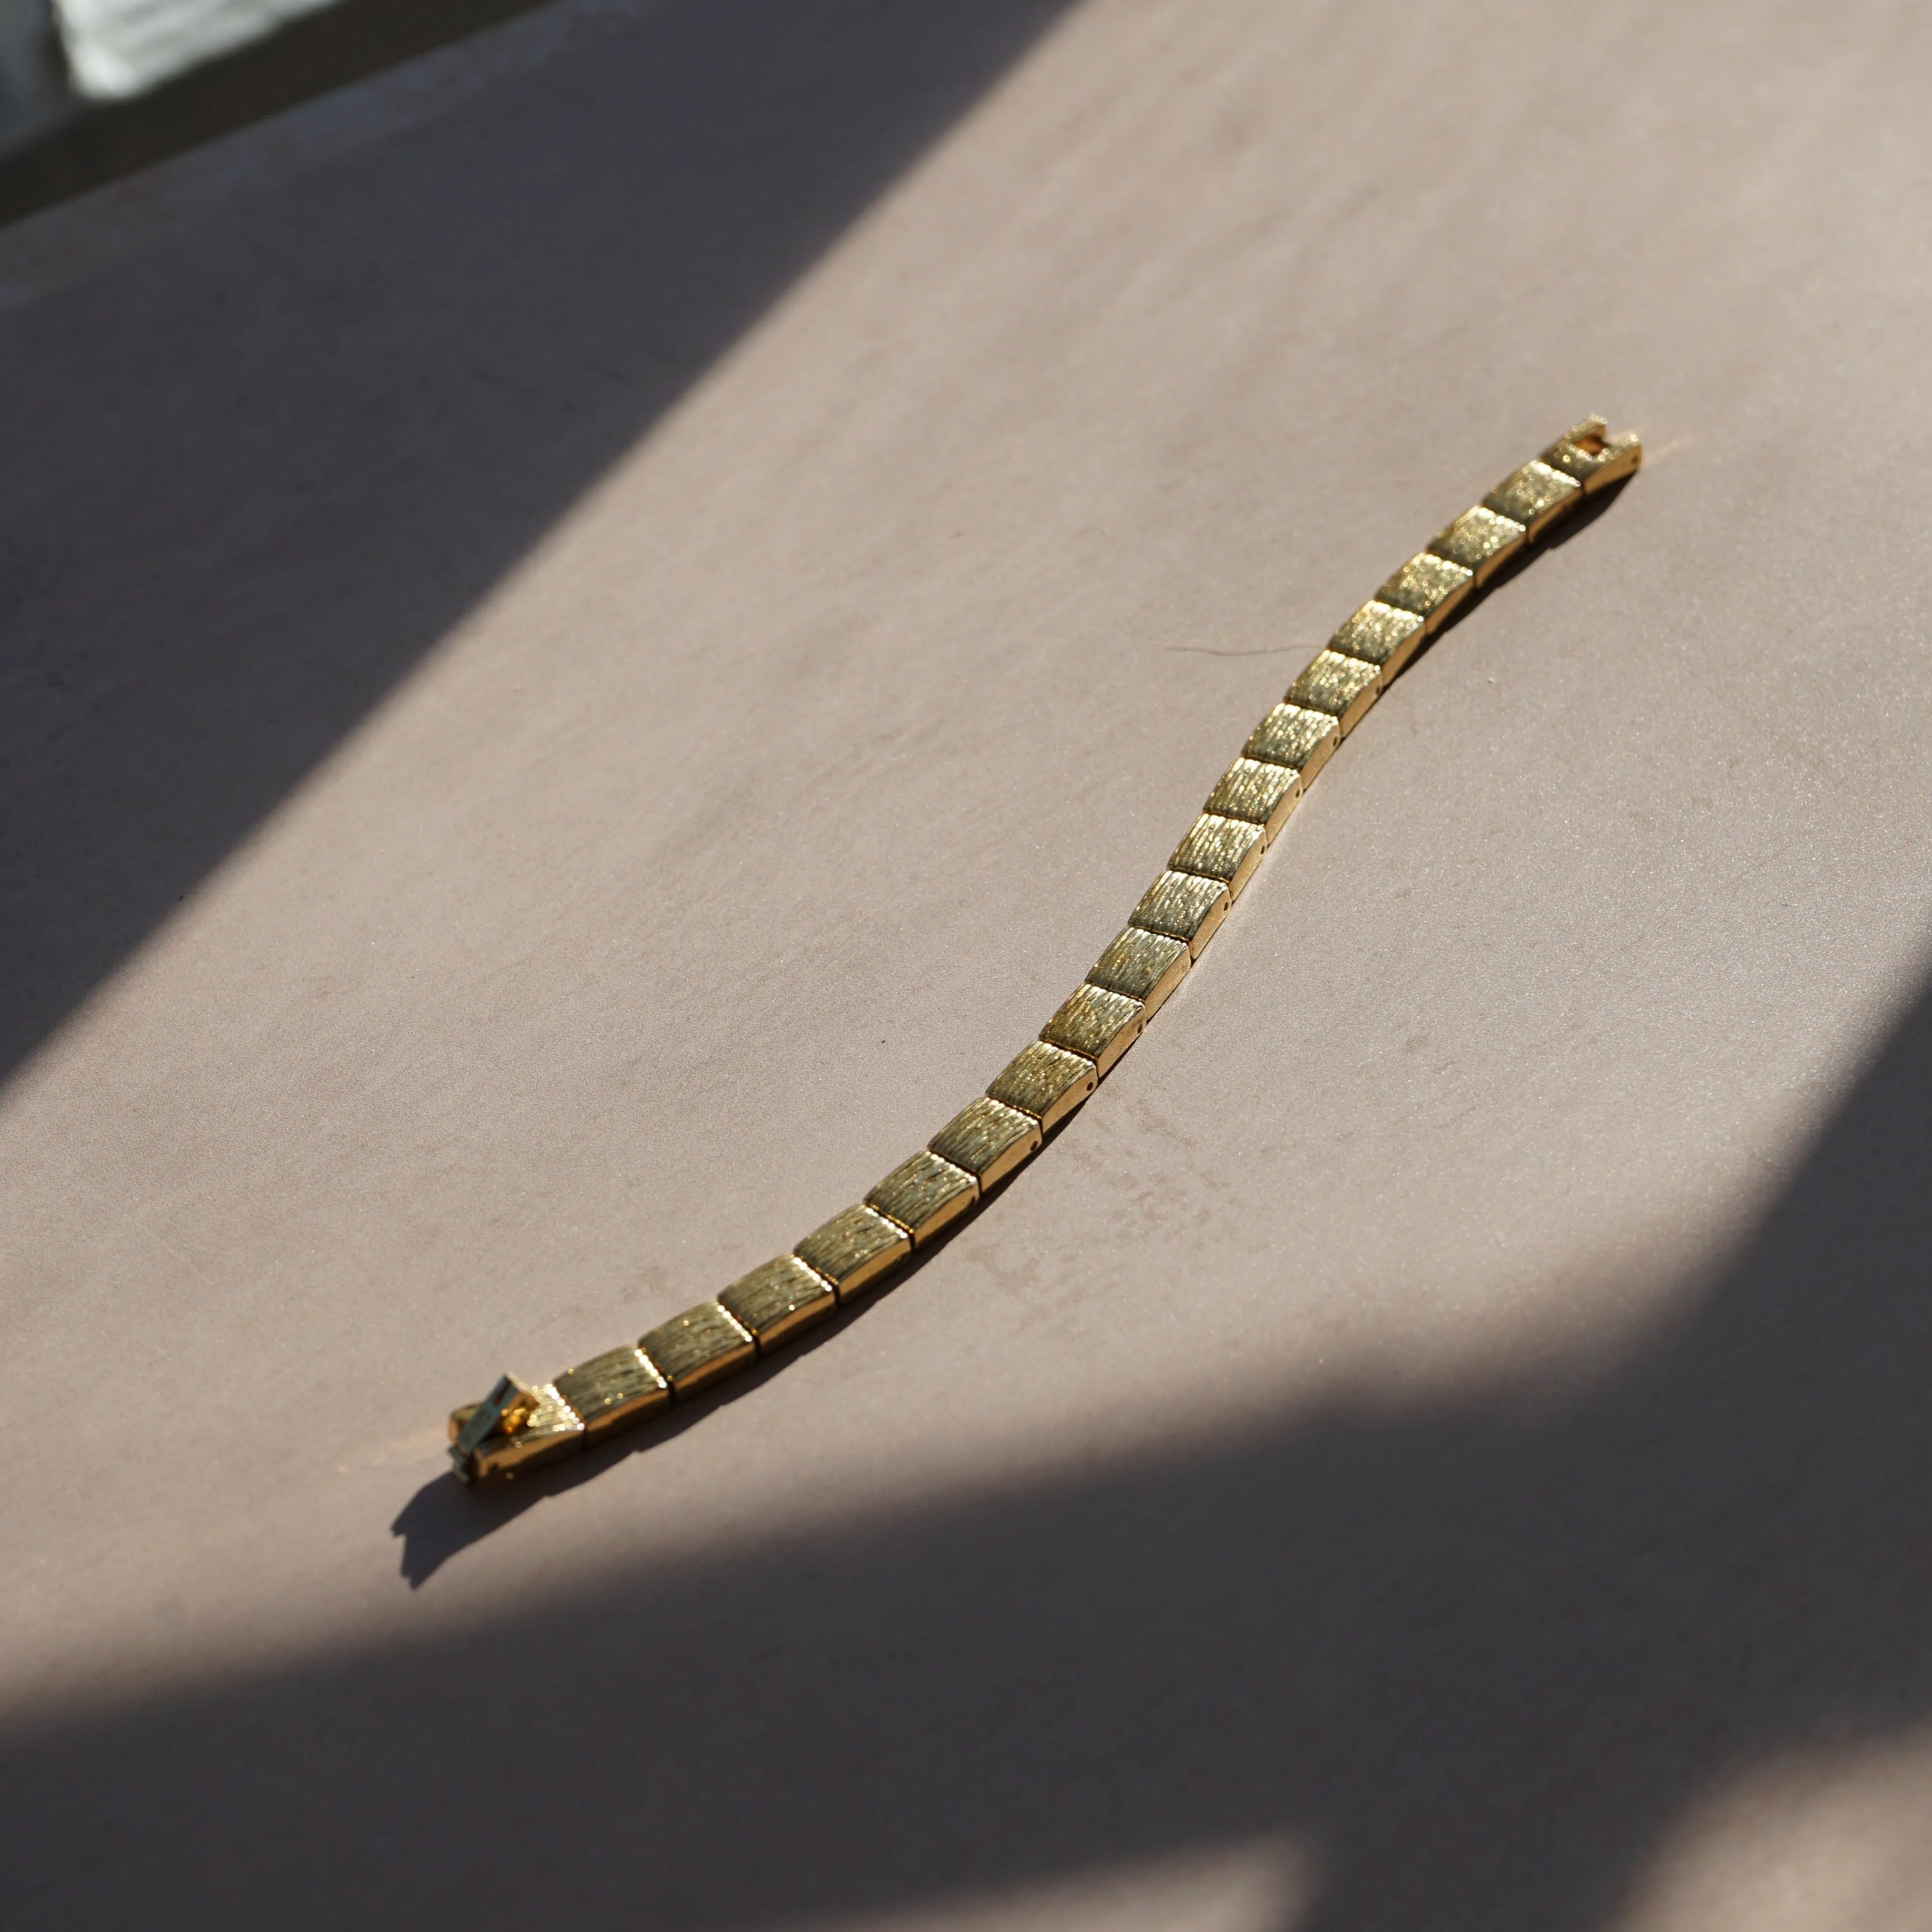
(516, 1426)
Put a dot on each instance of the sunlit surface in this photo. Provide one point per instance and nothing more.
(1842, 1839)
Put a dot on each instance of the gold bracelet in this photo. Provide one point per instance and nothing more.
(519, 1425)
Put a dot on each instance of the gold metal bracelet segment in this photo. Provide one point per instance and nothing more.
(519, 1425)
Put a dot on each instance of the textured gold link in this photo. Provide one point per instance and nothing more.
(702, 1345)
(519, 1425)
(1227, 849)
(1343, 687)
(1144, 966)
(853, 1249)
(1430, 586)
(923, 1194)
(1046, 1081)
(1380, 635)
(1534, 496)
(613, 1390)
(1184, 907)
(773, 1302)
(1099, 1025)
(1290, 735)
(987, 1140)
(1263, 794)
(1479, 541)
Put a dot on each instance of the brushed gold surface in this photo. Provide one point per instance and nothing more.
(1227, 849)
(1184, 906)
(773, 1302)
(1429, 586)
(1046, 1081)
(613, 1390)
(1263, 794)
(701, 1346)
(1292, 735)
(1590, 455)
(1480, 541)
(987, 1140)
(1534, 496)
(853, 1249)
(550, 1429)
(1344, 688)
(499, 1412)
(1380, 635)
(1144, 966)
(923, 1194)
(1096, 1024)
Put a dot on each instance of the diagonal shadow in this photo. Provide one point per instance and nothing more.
(1484, 1653)
(444, 1518)
(228, 525)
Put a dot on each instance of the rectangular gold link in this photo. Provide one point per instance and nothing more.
(1096, 1024)
(1144, 966)
(987, 1140)
(923, 1194)
(1480, 541)
(853, 1249)
(1227, 849)
(1046, 1081)
(773, 1302)
(701, 1346)
(613, 1390)
(1588, 454)
(1344, 688)
(1290, 735)
(1429, 586)
(1262, 794)
(1184, 906)
(1380, 635)
(1534, 496)
(550, 1430)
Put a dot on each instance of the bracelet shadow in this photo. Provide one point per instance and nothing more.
(1571, 527)
(446, 1517)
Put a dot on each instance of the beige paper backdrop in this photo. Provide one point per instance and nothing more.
(580, 674)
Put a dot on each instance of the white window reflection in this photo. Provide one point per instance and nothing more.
(116, 48)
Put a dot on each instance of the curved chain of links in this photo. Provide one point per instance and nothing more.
(519, 1425)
